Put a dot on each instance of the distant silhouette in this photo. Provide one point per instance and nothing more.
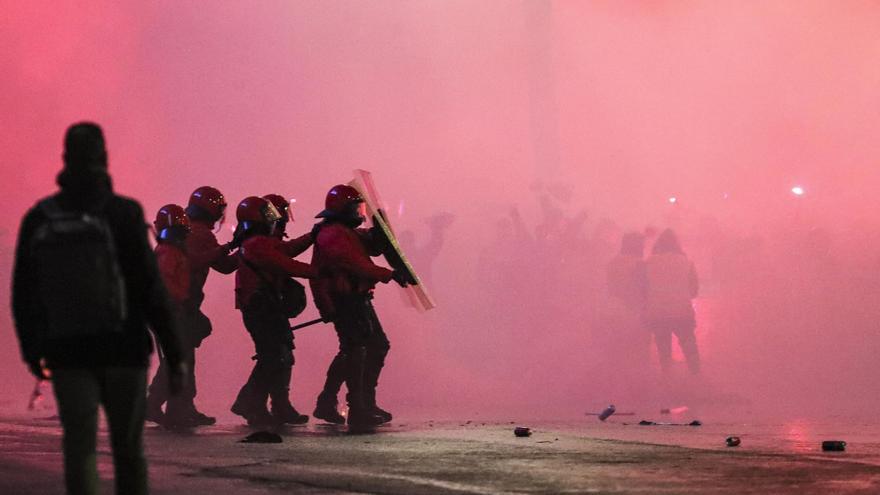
(623, 338)
(670, 285)
(85, 287)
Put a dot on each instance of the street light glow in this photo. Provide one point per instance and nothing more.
(797, 190)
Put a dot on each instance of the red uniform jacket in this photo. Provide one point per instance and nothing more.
(204, 253)
(342, 256)
(296, 247)
(175, 272)
(269, 256)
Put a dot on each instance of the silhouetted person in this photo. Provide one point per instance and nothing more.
(671, 283)
(424, 254)
(85, 287)
(172, 229)
(625, 273)
(205, 208)
(625, 341)
(343, 295)
(266, 264)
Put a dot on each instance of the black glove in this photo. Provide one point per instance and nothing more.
(380, 241)
(237, 238)
(402, 277)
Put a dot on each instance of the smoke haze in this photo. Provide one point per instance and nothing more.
(547, 129)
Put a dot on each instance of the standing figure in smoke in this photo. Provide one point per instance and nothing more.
(671, 283)
(172, 228)
(85, 287)
(205, 208)
(344, 294)
(625, 275)
(260, 283)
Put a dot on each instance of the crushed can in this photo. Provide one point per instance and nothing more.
(733, 441)
(522, 431)
(607, 412)
(833, 445)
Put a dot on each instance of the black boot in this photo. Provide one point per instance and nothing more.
(202, 419)
(326, 406)
(358, 412)
(282, 410)
(374, 364)
(254, 414)
(154, 411)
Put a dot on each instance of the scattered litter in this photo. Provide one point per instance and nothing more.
(733, 441)
(262, 437)
(665, 410)
(607, 412)
(522, 431)
(544, 441)
(645, 422)
(833, 445)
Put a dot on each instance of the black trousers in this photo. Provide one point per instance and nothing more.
(358, 330)
(79, 392)
(270, 377)
(195, 326)
(683, 328)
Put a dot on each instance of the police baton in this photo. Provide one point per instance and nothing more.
(306, 324)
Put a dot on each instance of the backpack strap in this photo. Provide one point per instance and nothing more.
(50, 208)
(262, 276)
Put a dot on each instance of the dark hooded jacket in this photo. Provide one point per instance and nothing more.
(147, 299)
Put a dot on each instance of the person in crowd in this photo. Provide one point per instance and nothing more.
(85, 287)
(624, 276)
(670, 284)
(172, 228)
(343, 295)
(205, 208)
(262, 294)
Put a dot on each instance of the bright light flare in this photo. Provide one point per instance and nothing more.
(797, 190)
(673, 200)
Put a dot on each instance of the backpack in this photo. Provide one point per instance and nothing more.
(79, 280)
(290, 299)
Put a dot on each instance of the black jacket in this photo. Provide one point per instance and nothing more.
(147, 298)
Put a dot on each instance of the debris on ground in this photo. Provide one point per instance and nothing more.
(522, 431)
(645, 422)
(833, 445)
(733, 441)
(262, 437)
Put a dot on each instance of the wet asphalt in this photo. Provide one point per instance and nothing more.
(447, 458)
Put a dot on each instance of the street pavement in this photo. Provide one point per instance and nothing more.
(452, 457)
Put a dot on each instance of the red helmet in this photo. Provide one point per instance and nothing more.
(342, 201)
(253, 209)
(280, 203)
(170, 216)
(206, 202)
